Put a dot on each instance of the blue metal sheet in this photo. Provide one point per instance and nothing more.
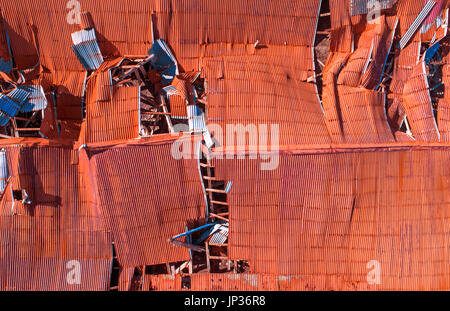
(11, 104)
(36, 100)
(360, 7)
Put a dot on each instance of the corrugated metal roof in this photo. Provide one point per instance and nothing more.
(163, 282)
(329, 214)
(36, 100)
(270, 89)
(311, 224)
(11, 104)
(418, 105)
(112, 113)
(147, 197)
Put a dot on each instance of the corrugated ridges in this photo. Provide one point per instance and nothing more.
(163, 282)
(444, 104)
(418, 105)
(147, 197)
(329, 215)
(265, 90)
(39, 240)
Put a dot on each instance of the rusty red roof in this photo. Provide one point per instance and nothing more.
(147, 197)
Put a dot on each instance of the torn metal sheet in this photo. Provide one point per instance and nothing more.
(217, 231)
(219, 234)
(36, 100)
(5, 66)
(11, 104)
(431, 51)
(196, 119)
(4, 173)
(163, 60)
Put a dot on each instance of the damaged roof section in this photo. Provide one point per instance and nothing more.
(49, 225)
(359, 7)
(313, 216)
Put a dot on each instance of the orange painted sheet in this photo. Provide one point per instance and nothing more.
(41, 241)
(353, 112)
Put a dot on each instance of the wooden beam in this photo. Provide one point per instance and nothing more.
(218, 244)
(211, 178)
(156, 112)
(183, 265)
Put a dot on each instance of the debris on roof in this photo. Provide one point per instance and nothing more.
(4, 174)
(11, 104)
(359, 7)
(36, 100)
(163, 61)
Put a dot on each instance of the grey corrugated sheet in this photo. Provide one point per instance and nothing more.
(36, 100)
(416, 24)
